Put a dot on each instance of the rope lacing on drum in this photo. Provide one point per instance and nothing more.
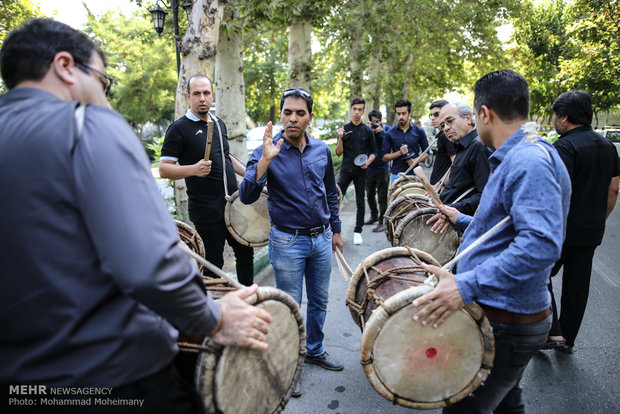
(190, 347)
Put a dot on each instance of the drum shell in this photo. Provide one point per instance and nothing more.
(398, 209)
(249, 224)
(408, 188)
(402, 180)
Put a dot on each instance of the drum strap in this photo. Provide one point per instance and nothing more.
(219, 134)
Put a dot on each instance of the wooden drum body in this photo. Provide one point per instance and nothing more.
(398, 209)
(238, 380)
(249, 224)
(408, 364)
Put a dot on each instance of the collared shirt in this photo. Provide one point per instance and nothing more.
(378, 166)
(185, 143)
(361, 140)
(445, 149)
(414, 137)
(591, 161)
(511, 270)
(469, 169)
(91, 280)
(302, 185)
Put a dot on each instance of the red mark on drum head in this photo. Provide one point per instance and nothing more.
(431, 352)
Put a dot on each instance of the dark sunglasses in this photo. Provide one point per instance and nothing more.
(433, 114)
(293, 91)
(106, 80)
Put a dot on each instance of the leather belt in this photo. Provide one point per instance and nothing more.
(312, 232)
(511, 318)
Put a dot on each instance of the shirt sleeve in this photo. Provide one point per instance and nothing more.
(533, 196)
(172, 147)
(250, 189)
(423, 139)
(332, 194)
(130, 226)
(372, 144)
(387, 143)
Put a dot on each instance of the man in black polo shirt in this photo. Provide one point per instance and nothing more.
(592, 163)
(355, 138)
(470, 170)
(446, 151)
(185, 144)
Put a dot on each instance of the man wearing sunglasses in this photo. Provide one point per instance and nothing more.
(303, 206)
(446, 151)
(92, 284)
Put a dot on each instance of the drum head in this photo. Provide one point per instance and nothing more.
(243, 380)
(408, 188)
(413, 231)
(399, 208)
(423, 367)
(248, 223)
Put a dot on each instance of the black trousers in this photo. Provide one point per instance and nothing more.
(213, 236)
(377, 185)
(359, 181)
(577, 263)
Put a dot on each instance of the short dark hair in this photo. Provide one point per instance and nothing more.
(505, 92)
(28, 51)
(403, 102)
(199, 75)
(439, 103)
(356, 101)
(297, 92)
(576, 105)
(375, 113)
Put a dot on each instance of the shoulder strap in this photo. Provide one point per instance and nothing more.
(78, 115)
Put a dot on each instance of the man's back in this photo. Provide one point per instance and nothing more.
(66, 309)
(591, 161)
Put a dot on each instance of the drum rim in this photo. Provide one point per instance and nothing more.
(398, 302)
(402, 223)
(234, 196)
(398, 190)
(389, 234)
(262, 294)
(374, 258)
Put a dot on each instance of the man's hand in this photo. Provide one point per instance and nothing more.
(269, 150)
(337, 242)
(340, 132)
(445, 299)
(242, 324)
(404, 149)
(411, 161)
(202, 168)
(443, 218)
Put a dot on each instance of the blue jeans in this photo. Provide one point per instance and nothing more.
(293, 256)
(515, 345)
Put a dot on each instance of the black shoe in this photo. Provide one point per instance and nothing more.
(378, 228)
(297, 391)
(324, 362)
(370, 220)
(565, 349)
(551, 344)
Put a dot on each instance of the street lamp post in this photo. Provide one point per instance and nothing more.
(159, 18)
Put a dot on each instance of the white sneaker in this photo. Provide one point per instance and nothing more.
(357, 238)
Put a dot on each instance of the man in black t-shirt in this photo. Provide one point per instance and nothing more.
(592, 163)
(446, 150)
(355, 138)
(182, 156)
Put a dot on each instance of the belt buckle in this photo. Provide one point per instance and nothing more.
(315, 231)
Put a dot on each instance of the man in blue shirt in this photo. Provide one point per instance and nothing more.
(303, 206)
(404, 142)
(508, 274)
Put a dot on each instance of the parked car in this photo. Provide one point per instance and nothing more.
(254, 137)
(613, 134)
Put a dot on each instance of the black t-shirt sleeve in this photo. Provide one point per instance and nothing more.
(372, 145)
(567, 153)
(173, 142)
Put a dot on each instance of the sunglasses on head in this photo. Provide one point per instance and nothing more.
(295, 91)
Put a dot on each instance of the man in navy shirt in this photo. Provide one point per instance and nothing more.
(592, 163)
(404, 142)
(303, 206)
(508, 274)
(354, 139)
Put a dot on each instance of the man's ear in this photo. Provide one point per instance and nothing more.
(485, 115)
(64, 67)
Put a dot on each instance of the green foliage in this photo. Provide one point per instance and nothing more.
(142, 65)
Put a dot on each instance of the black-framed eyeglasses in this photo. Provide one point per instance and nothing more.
(107, 80)
(433, 114)
(292, 91)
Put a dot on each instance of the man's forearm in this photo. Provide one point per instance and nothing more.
(612, 196)
(174, 171)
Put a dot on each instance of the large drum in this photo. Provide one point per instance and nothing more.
(248, 223)
(239, 380)
(399, 208)
(190, 237)
(407, 189)
(408, 364)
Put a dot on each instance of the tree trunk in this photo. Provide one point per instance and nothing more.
(300, 54)
(356, 56)
(374, 82)
(197, 48)
(230, 92)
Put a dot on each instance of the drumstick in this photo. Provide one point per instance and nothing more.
(343, 265)
(432, 279)
(419, 172)
(209, 140)
(417, 160)
(210, 266)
